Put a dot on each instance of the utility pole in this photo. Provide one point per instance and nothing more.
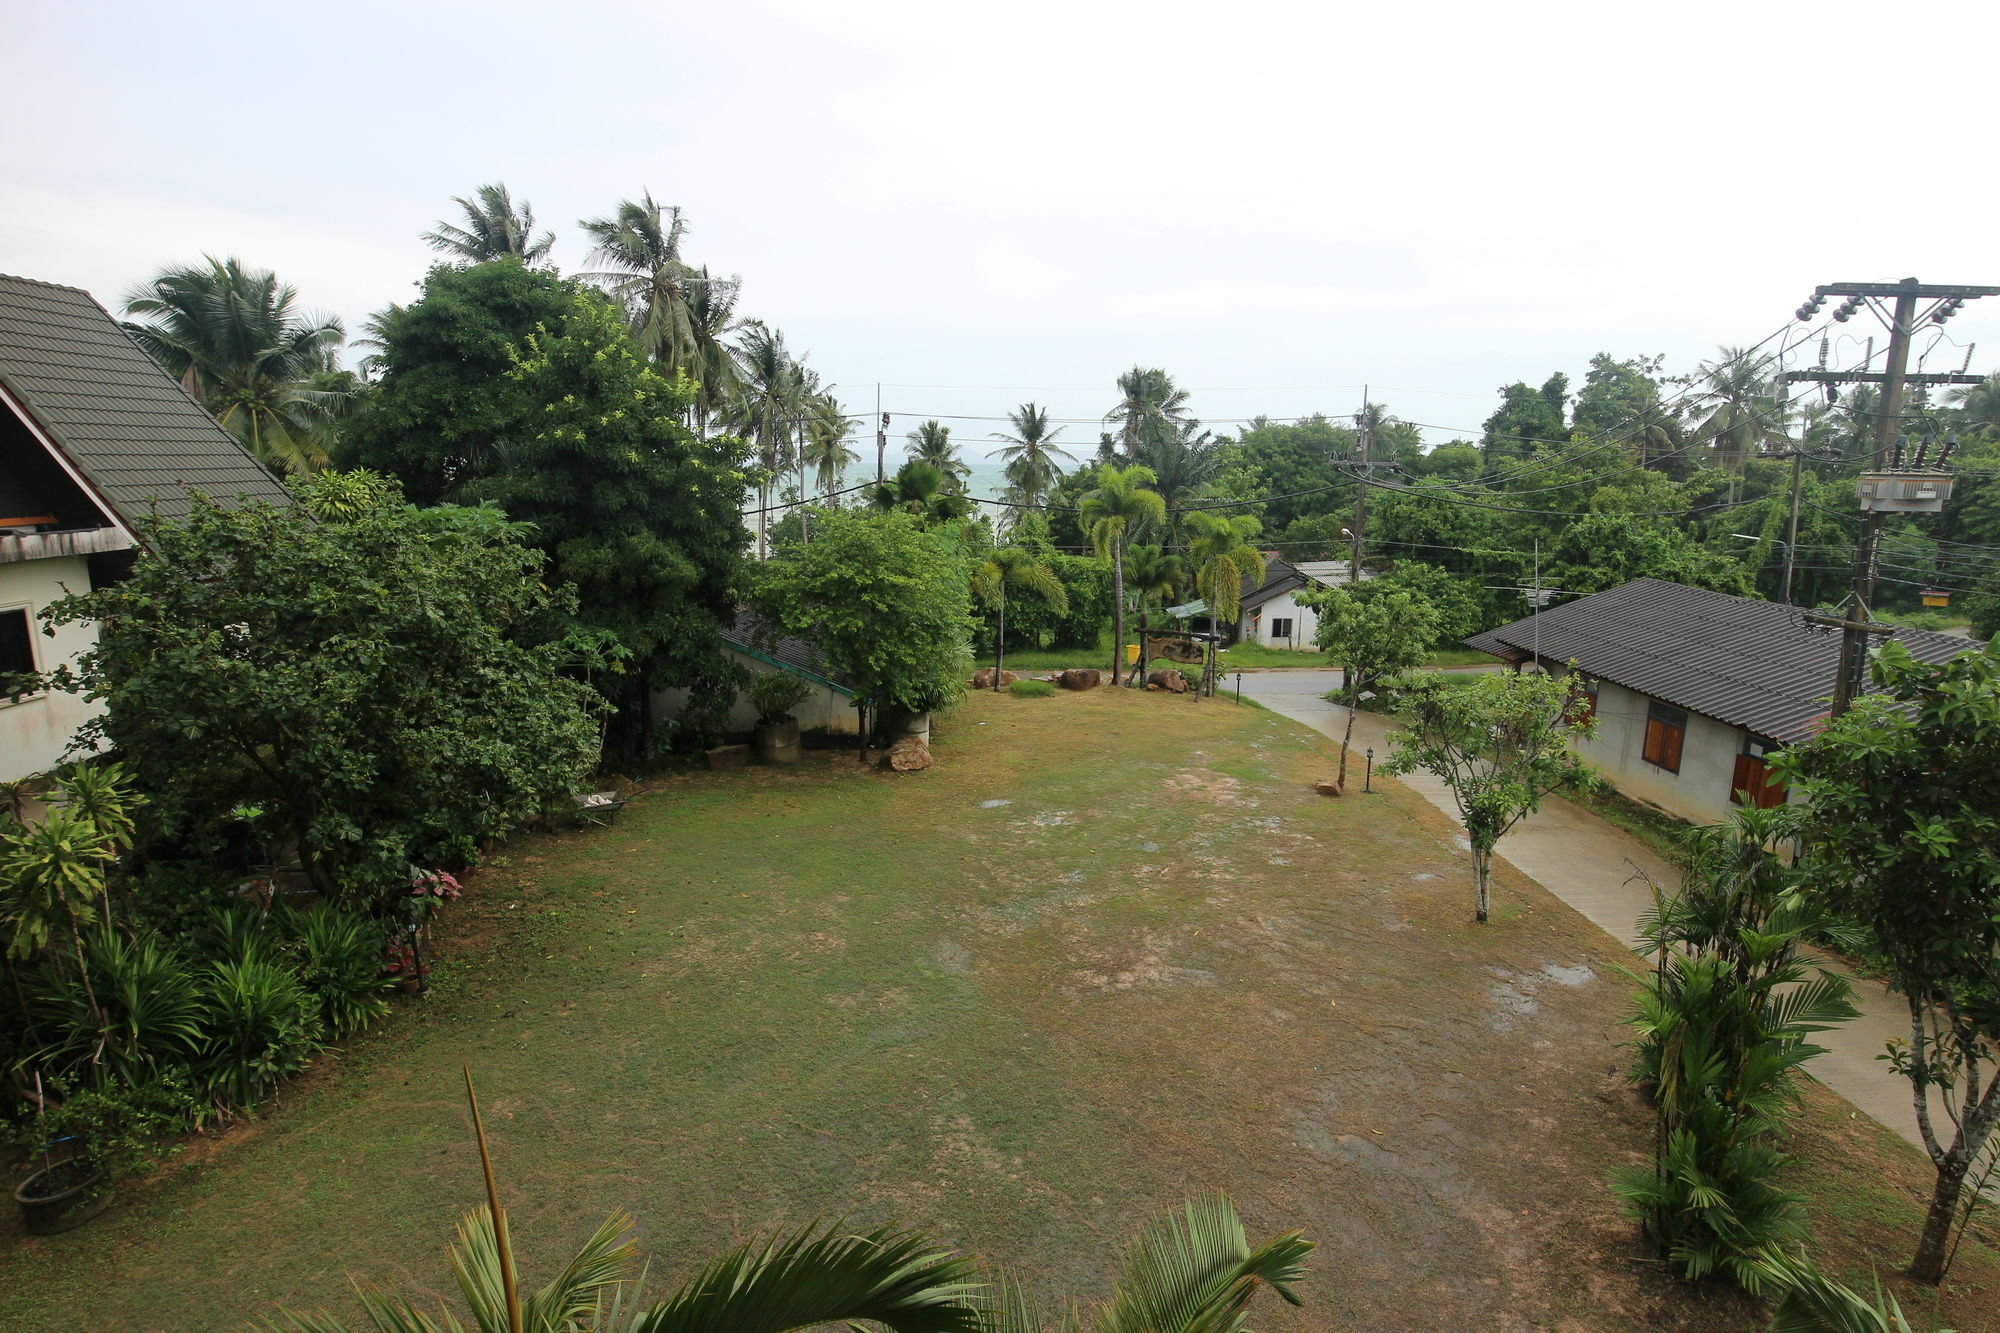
(881, 434)
(1792, 527)
(1856, 626)
(1362, 422)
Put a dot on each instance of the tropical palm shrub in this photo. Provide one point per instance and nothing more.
(259, 1025)
(337, 958)
(139, 1021)
(774, 694)
(1192, 1270)
(1722, 1026)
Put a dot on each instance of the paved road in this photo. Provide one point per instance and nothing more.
(1594, 867)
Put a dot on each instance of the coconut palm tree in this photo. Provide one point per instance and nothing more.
(1980, 405)
(1221, 558)
(1153, 575)
(1742, 410)
(1150, 406)
(1021, 568)
(827, 431)
(711, 305)
(638, 251)
(1184, 460)
(1030, 453)
(1121, 508)
(931, 443)
(918, 488)
(764, 409)
(240, 344)
(495, 228)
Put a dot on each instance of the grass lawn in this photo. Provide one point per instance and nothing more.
(1111, 951)
(1241, 657)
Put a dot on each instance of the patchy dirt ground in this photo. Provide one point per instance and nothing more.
(1112, 951)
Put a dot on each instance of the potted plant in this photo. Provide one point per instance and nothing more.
(774, 695)
(86, 1141)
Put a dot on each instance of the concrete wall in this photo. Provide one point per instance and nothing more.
(825, 708)
(1699, 792)
(1257, 623)
(35, 732)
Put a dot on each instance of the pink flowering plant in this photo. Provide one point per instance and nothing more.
(429, 891)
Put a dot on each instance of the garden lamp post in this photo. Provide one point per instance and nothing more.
(1368, 773)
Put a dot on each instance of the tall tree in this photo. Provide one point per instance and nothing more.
(1122, 508)
(918, 489)
(1023, 569)
(638, 254)
(1150, 406)
(1742, 409)
(447, 411)
(640, 515)
(1184, 460)
(766, 406)
(828, 430)
(495, 228)
(1373, 637)
(1029, 455)
(240, 344)
(1500, 743)
(1527, 420)
(1901, 833)
(1153, 574)
(930, 443)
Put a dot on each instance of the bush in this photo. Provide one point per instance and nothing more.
(774, 694)
(260, 1026)
(119, 1131)
(1191, 674)
(152, 1016)
(1031, 689)
(337, 957)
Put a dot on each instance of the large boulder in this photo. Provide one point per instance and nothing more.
(911, 754)
(1173, 682)
(982, 679)
(1082, 678)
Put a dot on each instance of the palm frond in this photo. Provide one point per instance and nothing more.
(1193, 1271)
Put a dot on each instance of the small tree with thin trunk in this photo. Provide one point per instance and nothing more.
(1901, 835)
(1119, 509)
(1021, 568)
(1500, 743)
(1372, 638)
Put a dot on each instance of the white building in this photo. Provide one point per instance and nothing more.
(1692, 689)
(92, 434)
(756, 647)
(1273, 616)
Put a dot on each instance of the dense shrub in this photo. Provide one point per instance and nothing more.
(337, 957)
(259, 1025)
(1031, 689)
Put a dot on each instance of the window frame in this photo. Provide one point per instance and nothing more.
(26, 610)
(1664, 738)
(1768, 795)
(1281, 627)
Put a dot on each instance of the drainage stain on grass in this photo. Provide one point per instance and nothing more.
(1110, 952)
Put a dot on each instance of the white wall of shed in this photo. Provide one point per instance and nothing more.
(35, 732)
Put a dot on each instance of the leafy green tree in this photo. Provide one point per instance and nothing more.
(447, 408)
(495, 228)
(1722, 1025)
(1030, 454)
(243, 348)
(885, 600)
(1122, 508)
(1978, 406)
(1527, 420)
(1500, 743)
(1901, 835)
(1021, 568)
(362, 676)
(930, 444)
(1621, 400)
(642, 518)
(1292, 463)
(1462, 606)
(1742, 410)
(1373, 637)
(1454, 460)
(1606, 550)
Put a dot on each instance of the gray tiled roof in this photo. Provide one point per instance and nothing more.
(120, 419)
(753, 634)
(1279, 577)
(1750, 664)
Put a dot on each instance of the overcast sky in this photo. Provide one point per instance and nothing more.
(978, 205)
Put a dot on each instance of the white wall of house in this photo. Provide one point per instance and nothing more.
(825, 709)
(1262, 624)
(36, 731)
(1700, 791)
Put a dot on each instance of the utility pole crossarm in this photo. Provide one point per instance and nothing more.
(1875, 377)
(1920, 290)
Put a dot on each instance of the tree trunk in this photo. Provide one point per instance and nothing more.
(1000, 638)
(1346, 743)
(861, 728)
(1117, 611)
(647, 734)
(763, 513)
(1482, 870)
(1929, 1264)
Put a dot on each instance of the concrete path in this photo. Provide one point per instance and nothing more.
(1596, 868)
